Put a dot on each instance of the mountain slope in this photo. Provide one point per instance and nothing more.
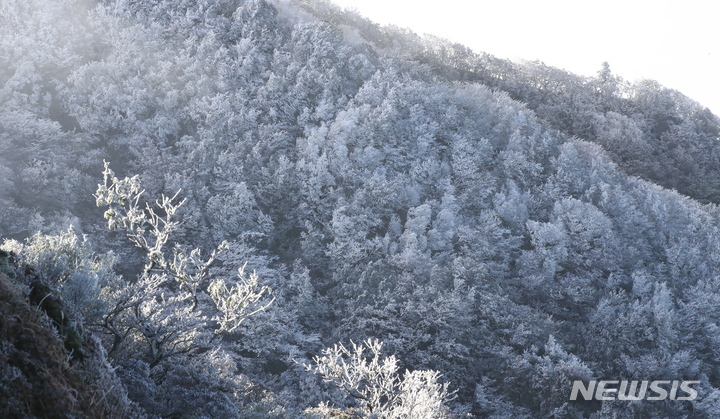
(493, 221)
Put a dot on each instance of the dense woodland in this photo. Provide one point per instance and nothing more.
(489, 230)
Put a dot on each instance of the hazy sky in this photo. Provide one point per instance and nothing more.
(674, 42)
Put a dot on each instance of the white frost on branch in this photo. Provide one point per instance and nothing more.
(168, 320)
(238, 302)
(376, 386)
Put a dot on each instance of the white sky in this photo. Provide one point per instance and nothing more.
(674, 42)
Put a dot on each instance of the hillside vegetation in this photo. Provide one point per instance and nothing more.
(47, 369)
(487, 232)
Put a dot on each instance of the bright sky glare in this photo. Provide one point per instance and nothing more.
(674, 42)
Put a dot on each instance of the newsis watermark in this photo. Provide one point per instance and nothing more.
(628, 390)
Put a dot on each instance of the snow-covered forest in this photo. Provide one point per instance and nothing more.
(488, 231)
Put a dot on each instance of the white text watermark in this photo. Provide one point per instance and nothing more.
(628, 390)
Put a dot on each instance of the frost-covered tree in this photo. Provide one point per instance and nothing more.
(375, 385)
(164, 314)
